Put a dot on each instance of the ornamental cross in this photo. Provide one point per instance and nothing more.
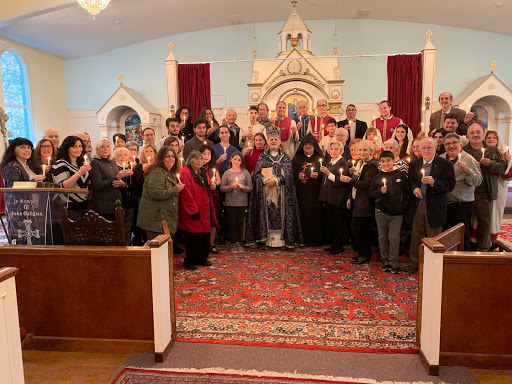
(294, 2)
(28, 233)
(171, 46)
(121, 78)
(492, 65)
(429, 35)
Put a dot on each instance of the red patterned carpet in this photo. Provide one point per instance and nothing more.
(506, 230)
(302, 299)
(138, 376)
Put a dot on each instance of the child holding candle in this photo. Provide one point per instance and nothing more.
(327, 140)
(334, 194)
(391, 190)
(236, 184)
(211, 171)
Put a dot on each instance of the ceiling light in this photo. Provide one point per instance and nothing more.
(93, 6)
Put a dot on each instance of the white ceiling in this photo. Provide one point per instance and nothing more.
(65, 29)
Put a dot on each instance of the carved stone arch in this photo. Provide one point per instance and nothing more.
(286, 87)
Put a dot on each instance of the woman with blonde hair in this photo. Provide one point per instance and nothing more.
(361, 205)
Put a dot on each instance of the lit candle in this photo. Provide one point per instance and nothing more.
(134, 159)
(460, 155)
(149, 160)
(320, 163)
(341, 171)
(49, 158)
(469, 107)
(44, 166)
(124, 166)
(236, 179)
(423, 172)
(86, 160)
(384, 181)
(131, 165)
(249, 144)
(350, 122)
(182, 138)
(506, 149)
(225, 149)
(181, 159)
(178, 176)
(312, 170)
(214, 170)
(353, 163)
(373, 117)
(408, 159)
(225, 113)
(483, 153)
(204, 142)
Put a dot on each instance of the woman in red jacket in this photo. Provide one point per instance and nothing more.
(197, 213)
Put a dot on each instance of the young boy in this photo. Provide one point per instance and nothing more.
(327, 140)
(334, 193)
(390, 189)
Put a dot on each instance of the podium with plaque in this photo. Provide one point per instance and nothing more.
(32, 213)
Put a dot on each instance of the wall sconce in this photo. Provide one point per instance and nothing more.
(172, 111)
(427, 103)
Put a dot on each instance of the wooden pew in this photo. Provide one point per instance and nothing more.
(96, 299)
(464, 305)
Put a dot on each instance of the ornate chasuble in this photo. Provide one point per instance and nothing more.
(285, 124)
(386, 127)
(305, 124)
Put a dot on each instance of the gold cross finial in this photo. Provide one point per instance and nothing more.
(429, 35)
(492, 65)
(294, 2)
(121, 78)
(171, 46)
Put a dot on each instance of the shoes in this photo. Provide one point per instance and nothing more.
(360, 261)
(412, 269)
(234, 248)
(394, 270)
(239, 248)
(254, 246)
(190, 267)
(206, 263)
(336, 251)
(214, 250)
(386, 267)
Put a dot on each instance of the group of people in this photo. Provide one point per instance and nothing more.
(285, 182)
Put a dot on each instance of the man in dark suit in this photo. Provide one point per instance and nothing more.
(431, 177)
(437, 118)
(356, 128)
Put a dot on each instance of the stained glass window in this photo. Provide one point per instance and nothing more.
(17, 104)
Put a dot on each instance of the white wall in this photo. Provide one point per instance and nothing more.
(47, 88)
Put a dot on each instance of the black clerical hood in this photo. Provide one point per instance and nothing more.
(309, 139)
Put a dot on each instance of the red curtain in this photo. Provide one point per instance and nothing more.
(404, 89)
(194, 87)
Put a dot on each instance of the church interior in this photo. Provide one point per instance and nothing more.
(117, 71)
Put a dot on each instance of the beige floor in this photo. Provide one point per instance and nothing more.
(42, 367)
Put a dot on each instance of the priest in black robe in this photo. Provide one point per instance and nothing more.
(273, 215)
(308, 180)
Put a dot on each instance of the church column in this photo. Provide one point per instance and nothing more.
(171, 71)
(427, 97)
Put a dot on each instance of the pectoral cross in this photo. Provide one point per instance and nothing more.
(121, 78)
(492, 65)
(429, 35)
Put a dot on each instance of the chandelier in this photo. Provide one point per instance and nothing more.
(93, 6)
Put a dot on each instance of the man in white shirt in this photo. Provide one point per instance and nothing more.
(247, 132)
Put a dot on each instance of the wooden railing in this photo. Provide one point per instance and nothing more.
(97, 299)
(464, 305)
(11, 364)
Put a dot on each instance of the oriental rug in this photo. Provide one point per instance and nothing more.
(303, 298)
(506, 230)
(222, 376)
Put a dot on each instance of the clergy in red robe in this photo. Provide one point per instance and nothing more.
(318, 124)
(386, 123)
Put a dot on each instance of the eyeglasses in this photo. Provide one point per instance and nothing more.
(447, 143)
(321, 105)
(46, 146)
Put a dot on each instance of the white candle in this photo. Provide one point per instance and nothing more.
(134, 159)
(225, 113)
(236, 179)
(320, 162)
(353, 163)
(214, 170)
(312, 170)
(204, 142)
(483, 153)
(124, 166)
(408, 159)
(506, 149)
(182, 138)
(44, 166)
(423, 172)
(350, 122)
(341, 171)
(131, 165)
(86, 160)
(384, 181)
(225, 149)
(181, 159)
(149, 160)
(178, 175)
(49, 160)
(460, 154)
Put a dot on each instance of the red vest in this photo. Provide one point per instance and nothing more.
(321, 121)
(386, 127)
(285, 125)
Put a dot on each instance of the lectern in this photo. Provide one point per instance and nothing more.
(32, 211)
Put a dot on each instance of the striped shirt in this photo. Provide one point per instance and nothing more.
(61, 171)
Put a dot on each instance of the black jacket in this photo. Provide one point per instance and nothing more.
(444, 181)
(396, 200)
(336, 192)
(361, 128)
(362, 206)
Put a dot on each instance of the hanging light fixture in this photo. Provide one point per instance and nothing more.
(94, 6)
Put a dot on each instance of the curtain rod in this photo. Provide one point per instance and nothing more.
(294, 58)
